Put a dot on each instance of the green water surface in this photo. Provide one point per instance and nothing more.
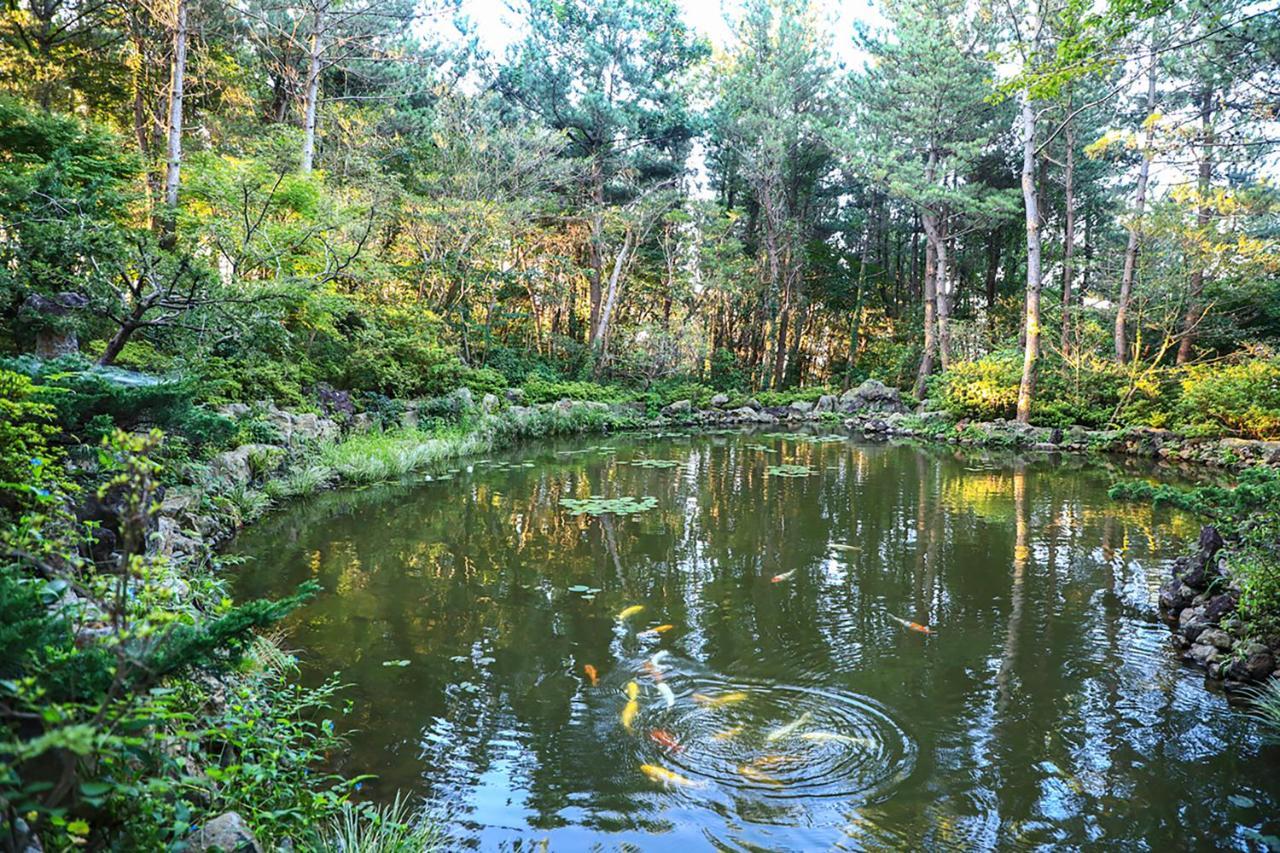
(1046, 708)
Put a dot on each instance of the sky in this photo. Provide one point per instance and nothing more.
(498, 26)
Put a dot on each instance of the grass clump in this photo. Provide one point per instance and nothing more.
(391, 828)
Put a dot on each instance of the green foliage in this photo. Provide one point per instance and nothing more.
(789, 395)
(1242, 398)
(983, 389)
(1266, 705)
(391, 828)
(30, 467)
(538, 389)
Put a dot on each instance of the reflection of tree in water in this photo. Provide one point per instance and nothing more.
(467, 580)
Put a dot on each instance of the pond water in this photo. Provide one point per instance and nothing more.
(791, 697)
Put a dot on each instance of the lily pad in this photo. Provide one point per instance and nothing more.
(597, 506)
(1241, 802)
(652, 463)
(395, 663)
(789, 471)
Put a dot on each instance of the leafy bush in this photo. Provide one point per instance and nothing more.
(1241, 399)
(30, 468)
(538, 389)
(984, 389)
(90, 402)
(453, 374)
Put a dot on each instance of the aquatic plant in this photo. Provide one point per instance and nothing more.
(596, 506)
(391, 828)
(652, 463)
(789, 471)
(1266, 705)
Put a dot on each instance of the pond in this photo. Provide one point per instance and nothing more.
(767, 609)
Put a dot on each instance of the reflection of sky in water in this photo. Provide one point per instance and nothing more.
(1046, 710)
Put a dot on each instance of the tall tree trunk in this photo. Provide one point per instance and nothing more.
(311, 107)
(994, 239)
(173, 166)
(1031, 198)
(930, 305)
(1069, 234)
(937, 240)
(1195, 311)
(595, 256)
(1135, 227)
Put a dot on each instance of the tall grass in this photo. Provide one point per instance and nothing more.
(388, 829)
(1266, 705)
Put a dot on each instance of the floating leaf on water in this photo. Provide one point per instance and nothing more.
(596, 506)
(579, 588)
(1241, 802)
(396, 662)
(789, 471)
(845, 546)
(456, 659)
(652, 463)
(588, 598)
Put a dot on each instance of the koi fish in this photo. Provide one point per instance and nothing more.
(717, 701)
(592, 675)
(758, 776)
(911, 626)
(666, 777)
(628, 612)
(770, 762)
(665, 739)
(654, 632)
(667, 695)
(728, 734)
(785, 576)
(633, 691)
(832, 737)
(656, 660)
(789, 729)
(629, 714)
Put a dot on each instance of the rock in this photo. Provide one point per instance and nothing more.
(826, 403)
(234, 466)
(24, 838)
(1219, 606)
(1055, 437)
(228, 833)
(1203, 654)
(489, 403)
(465, 399)
(55, 339)
(562, 407)
(1172, 597)
(720, 401)
(753, 403)
(679, 407)
(1191, 622)
(515, 396)
(801, 407)
(1255, 666)
(1203, 567)
(233, 410)
(1215, 637)
(872, 396)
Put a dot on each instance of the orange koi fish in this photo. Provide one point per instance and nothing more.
(911, 626)
(653, 671)
(666, 777)
(592, 675)
(654, 632)
(785, 576)
(665, 739)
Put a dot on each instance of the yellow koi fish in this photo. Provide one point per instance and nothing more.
(772, 762)
(633, 691)
(784, 731)
(629, 714)
(628, 612)
(718, 701)
(728, 734)
(758, 776)
(667, 777)
(832, 737)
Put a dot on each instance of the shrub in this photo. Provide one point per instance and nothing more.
(30, 468)
(538, 389)
(984, 389)
(1241, 399)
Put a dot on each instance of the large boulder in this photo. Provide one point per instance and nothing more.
(515, 396)
(800, 407)
(720, 401)
(489, 403)
(236, 467)
(678, 408)
(872, 396)
(227, 833)
(465, 399)
(826, 403)
(55, 337)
